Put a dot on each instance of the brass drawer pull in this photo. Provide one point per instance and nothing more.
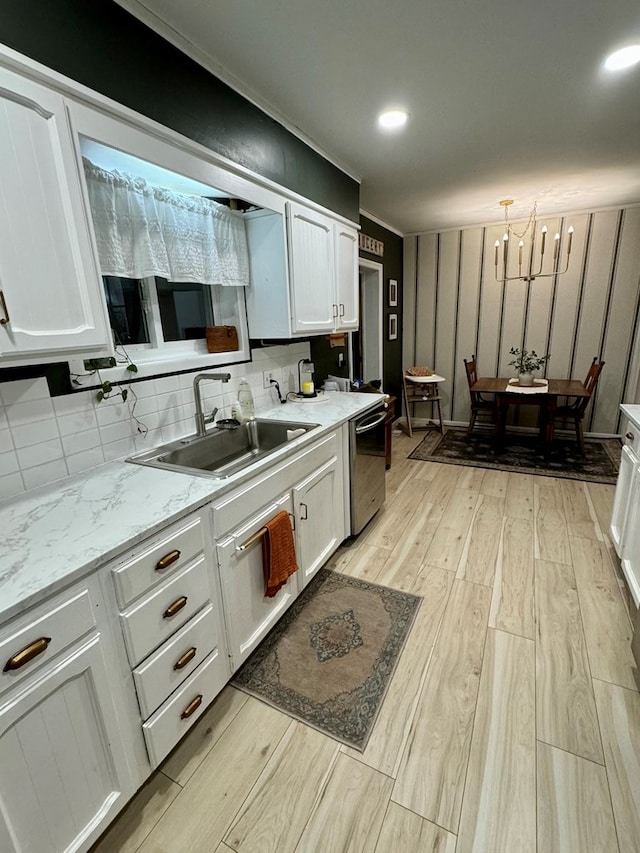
(28, 653)
(167, 560)
(630, 436)
(6, 319)
(174, 608)
(186, 657)
(191, 707)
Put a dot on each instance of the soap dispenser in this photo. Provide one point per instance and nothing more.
(245, 399)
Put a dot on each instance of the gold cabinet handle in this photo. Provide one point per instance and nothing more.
(630, 436)
(304, 508)
(174, 608)
(28, 653)
(335, 311)
(342, 309)
(167, 560)
(186, 657)
(3, 304)
(191, 707)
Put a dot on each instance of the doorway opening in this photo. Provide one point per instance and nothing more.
(367, 354)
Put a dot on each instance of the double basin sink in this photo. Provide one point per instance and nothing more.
(223, 452)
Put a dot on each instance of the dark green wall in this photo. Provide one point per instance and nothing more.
(392, 262)
(98, 43)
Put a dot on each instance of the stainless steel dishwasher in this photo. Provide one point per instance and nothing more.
(367, 464)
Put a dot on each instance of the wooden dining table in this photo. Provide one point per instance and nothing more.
(547, 400)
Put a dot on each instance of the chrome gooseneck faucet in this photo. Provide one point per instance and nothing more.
(201, 419)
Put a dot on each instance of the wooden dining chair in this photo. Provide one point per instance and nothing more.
(479, 405)
(575, 411)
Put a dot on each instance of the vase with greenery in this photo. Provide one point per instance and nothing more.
(526, 363)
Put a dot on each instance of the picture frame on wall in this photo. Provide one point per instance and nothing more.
(393, 327)
(393, 293)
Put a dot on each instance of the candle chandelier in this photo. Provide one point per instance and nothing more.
(530, 271)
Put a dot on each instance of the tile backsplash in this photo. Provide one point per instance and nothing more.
(44, 439)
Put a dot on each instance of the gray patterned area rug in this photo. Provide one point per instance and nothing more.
(522, 453)
(330, 658)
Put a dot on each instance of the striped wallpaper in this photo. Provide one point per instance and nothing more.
(454, 307)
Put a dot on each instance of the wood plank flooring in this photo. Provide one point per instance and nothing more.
(512, 722)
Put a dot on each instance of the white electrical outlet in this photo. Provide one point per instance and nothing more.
(268, 375)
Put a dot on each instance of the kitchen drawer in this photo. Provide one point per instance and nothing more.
(631, 437)
(157, 677)
(147, 625)
(46, 632)
(229, 512)
(157, 559)
(164, 729)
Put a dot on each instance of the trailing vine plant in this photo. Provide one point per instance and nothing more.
(108, 389)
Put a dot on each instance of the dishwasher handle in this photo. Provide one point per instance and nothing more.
(365, 426)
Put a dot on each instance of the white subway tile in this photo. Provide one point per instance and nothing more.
(79, 401)
(40, 454)
(9, 463)
(6, 442)
(85, 460)
(34, 433)
(29, 412)
(145, 389)
(11, 485)
(4, 421)
(77, 422)
(24, 390)
(81, 441)
(118, 449)
(117, 432)
(144, 405)
(111, 411)
(147, 442)
(47, 473)
(167, 384)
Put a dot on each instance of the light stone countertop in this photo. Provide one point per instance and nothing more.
(58, 533)
(632, 411)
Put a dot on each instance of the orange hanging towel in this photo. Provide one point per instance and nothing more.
(278, 553)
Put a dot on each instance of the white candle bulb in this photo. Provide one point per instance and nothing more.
(570, 233)
(557, 242)
(497, 246)
(506, 237)
(544, 237)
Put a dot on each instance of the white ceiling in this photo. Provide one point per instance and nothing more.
(507, 98)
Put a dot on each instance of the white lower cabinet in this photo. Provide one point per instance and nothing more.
(250, 615)
(311, 489)
(319, 518)
(625, 518)
(64, 774)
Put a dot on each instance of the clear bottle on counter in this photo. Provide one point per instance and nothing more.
(245, 398)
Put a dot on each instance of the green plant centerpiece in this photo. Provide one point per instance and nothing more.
(526, 363)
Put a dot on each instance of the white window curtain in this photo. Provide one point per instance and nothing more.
(143, 230)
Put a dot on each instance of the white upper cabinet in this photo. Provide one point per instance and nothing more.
(320, 293)
(311, 267)
(346, 255)
(51, 300)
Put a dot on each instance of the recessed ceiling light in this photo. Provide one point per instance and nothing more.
(623, 58)
(392, 119)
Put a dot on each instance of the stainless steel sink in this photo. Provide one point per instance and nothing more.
(222, 453)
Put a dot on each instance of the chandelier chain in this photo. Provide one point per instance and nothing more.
(532, 218)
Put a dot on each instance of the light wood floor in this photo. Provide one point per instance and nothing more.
(512, 724)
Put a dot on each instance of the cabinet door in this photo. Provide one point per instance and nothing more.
(64, 775)
(346, 243)
(50, 284)
(630, 545)
(628, 462)
(318, 509)
(312, 270)
(249, 614)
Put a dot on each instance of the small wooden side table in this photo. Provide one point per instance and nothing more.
(390, 406)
